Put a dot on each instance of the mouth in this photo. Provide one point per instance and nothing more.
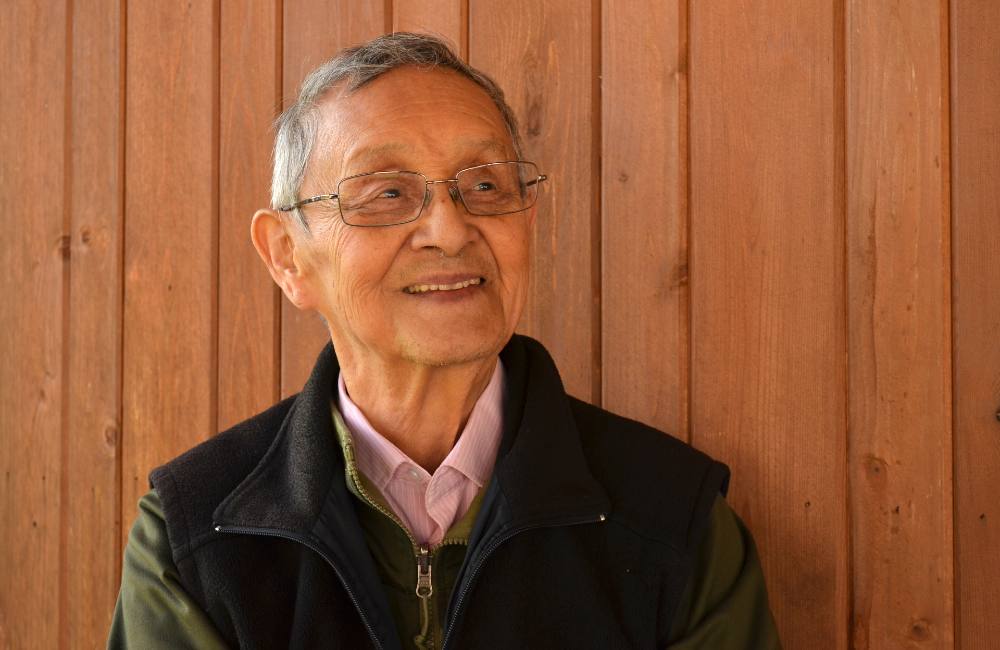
(454, 286)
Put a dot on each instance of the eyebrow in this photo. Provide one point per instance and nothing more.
(373, 156)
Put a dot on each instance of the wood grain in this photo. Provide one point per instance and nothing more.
(170, 238)
(543, 56)
(34, 259)
(899, 325)
(645, 296)
(445, 18)
(833, 185)
(91, 507)
(975, 142)
(314, 31)
(249, 100)
(767, 292)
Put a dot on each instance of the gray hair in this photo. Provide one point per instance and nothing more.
(357, 66)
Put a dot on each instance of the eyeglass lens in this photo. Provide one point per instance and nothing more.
(386, 198)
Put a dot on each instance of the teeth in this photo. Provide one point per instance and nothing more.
(423, 288)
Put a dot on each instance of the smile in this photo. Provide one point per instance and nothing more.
(424, 288)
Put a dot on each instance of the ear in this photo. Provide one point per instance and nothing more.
(276, 248)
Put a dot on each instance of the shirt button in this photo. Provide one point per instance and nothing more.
(414, 474)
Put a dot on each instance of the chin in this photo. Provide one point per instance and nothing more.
(442, 349)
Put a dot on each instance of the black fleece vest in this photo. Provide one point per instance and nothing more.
(585, 538)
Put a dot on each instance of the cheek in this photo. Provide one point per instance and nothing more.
(518, 248)
(358, 268)
(326, 257)
(512, 250)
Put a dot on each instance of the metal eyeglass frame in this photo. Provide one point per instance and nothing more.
(453, 191)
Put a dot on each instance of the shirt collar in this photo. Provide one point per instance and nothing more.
(473, 455)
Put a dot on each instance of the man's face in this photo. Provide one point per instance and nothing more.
(362, 279)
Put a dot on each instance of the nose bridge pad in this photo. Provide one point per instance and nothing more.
(456, 196)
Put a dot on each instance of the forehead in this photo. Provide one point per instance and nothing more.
(410, 114)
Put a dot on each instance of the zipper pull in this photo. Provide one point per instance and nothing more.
(424, 586)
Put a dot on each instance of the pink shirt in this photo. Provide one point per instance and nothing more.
(429, 504)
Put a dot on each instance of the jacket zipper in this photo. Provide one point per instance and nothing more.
(424, 590)
(425, 562)
(425, 584)
(425, 587)
(489, 551)
(267, 532)
(424, 557)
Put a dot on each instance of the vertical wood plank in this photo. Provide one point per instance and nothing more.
(33, 263)
(315, 30)
(170, 247)
(249, 100)
(898, 322)
(645, 328)
(975, 61)
(445, 18)
(767, 247)
(543, 56)
(91, 508)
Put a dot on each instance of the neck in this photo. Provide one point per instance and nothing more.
(420, 409)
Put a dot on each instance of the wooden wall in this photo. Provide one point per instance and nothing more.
(772, 230)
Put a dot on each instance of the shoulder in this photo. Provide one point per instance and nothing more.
(656, 482)
(725, 603)
(629, 448)
(153, 608)
(230, 454)
(200, 478)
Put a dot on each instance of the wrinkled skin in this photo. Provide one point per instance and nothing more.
(414, 363)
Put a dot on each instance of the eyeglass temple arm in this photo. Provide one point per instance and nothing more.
(536, 181)
(312, 199)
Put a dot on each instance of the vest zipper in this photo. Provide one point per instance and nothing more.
(268, 532)
(497, 542)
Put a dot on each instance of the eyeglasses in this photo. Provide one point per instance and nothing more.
(393, 198)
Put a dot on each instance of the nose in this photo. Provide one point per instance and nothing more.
(444, 224)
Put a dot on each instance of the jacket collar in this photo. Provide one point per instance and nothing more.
(541, 471)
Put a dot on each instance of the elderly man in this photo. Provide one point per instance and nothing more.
(432, 486)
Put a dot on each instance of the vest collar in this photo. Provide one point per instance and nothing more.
(541, 472)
